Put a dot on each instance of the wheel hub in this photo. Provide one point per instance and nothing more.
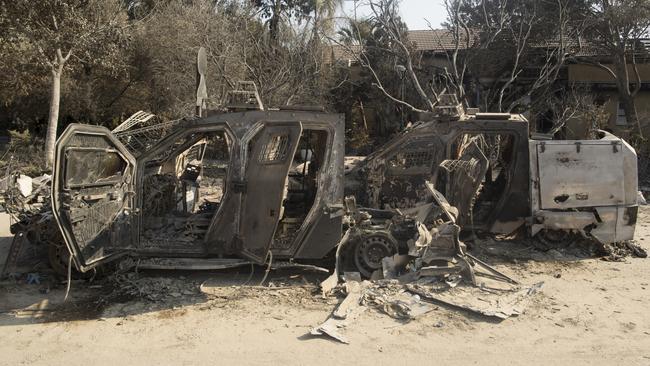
(370, 251)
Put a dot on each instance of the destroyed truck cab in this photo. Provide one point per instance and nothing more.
(500, 180)
(249, 184)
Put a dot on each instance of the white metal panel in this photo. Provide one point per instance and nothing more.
(580, 174)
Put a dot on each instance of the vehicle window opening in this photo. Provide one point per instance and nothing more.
(93, 167)
(183, 188)
(301, 186)
(166, 156)
(275, 149)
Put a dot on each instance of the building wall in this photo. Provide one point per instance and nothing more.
(617, 121)
(604, 86)
(594, 74)
(579, 129)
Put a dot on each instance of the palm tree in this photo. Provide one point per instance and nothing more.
(355, 32)
(324, 11)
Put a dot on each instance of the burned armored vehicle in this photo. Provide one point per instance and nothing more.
(251, 186)
(500, 180)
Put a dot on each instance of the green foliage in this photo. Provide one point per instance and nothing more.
(146, 61)
(279, 13)
(355, 31)
(24, 155)
(378, 54)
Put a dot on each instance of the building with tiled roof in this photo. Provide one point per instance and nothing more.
(580, 71)
(429, 40)
(437, 40)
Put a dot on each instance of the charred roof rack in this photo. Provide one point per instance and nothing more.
(138, 118)
(244, 96)
(141, 131)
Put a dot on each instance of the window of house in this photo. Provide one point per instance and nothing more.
(621, 120)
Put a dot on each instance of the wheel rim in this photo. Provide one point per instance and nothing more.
(370, 252)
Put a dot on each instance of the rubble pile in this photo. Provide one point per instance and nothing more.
(24, 196)
(408, 301)
(154, 288)
(437, 270)
(27, 201)
(617, 252)
(392, 299)
(520, 249)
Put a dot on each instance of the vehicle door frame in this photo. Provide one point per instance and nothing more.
(520, 154)
(319, 201)
(58, 184)
(167, 142)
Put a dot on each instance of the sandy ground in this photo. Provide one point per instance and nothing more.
(590, 312)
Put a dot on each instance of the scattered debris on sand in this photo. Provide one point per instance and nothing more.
(437, 270)
(519, 249)
(154, 288)
(617, 252)
(498, 304)
(408, 301)
(345, 314)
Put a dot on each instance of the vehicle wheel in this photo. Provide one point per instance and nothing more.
(369, 252)
(549, 239)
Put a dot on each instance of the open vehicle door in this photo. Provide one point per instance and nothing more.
(92, 194)
(270, 154)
